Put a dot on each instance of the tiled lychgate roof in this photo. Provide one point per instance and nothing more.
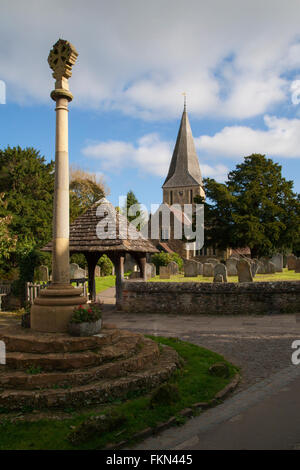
(101, 228)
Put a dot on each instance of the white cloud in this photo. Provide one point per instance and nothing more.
(138, 57)
(280, 139)
(149, 155)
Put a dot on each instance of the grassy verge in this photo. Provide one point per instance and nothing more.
(284, 276)
(104, 282)
(194, 384)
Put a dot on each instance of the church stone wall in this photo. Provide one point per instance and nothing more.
(211, 298)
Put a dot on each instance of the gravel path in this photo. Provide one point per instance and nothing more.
(259, 345)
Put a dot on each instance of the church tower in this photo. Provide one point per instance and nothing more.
(184, 180)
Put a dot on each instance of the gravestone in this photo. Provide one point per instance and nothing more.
(190, 268)
(73, 269)
(164, 272)
(200, 268)
(291, 262)
(244, 271)
(135, 275)
(212, 261)
(297, 265)
(277, 260)
(97, 271)
(221, 269)
(218, 278)
(149, 270)
(254, 267)
(79, 274)
(153, 269)
(173, 268)
(41, 274)
(271, 268)
(231, 266)
(208, 270)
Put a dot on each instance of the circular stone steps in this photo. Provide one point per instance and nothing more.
(79, 371)
(149, 354)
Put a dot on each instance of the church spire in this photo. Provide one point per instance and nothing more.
(184, 168)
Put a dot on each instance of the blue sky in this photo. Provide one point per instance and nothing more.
(135, 59)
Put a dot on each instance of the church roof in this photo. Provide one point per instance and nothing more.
(184, 168)
(102, 229)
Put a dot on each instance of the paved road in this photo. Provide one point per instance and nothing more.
(264, 412)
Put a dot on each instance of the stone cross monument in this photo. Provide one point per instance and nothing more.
(51, 311)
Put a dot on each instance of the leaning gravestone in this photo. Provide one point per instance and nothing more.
(208, 270)
(153, 269)
(73, 268)
(220, 269)
(271, 268)
(254, 267)
(244, 271)
(190, 268)
(79, 274)
(291, 262)
(297, 265)
(41, 274)
(164, 272)
(277, 260)
(231, 266)
(173, 268)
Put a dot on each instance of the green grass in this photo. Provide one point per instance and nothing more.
(284, 276)
(104, 282)
(192, 380)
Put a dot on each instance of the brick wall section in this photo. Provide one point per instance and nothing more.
(209, 298)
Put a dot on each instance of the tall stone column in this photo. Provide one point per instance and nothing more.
(52, 310)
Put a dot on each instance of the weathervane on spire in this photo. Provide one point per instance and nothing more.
(184, 102)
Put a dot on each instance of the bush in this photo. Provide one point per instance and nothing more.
(163, 259)
(88, 314)
(106, 265)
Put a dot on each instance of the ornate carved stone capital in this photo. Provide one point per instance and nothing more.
(61, 59)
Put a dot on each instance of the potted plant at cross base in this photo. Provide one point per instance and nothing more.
(86, 321)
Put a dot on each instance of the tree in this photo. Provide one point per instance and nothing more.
(85, 189)
(28, 184)
(256, 207)
(163, 259)
(131, 201)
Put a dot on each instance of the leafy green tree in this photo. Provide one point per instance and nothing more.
(163, 259)
(131, 200)
(256, 207)
(106, 265)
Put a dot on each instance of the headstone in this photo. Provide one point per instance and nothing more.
(200, 268)
(271, 268)
(41, 274)
(208, 270)
(212, 261)
(97, 271)
(153, 269)
(73, 269)
(190, 268)
(244, 271)
(218, 278)
(173, 268)
(291, 262)
(221, 269)
(164, 272)
(149, 270)
(231, 266)
(277, 260)
(297, 266)
(254, 267)
(79, 274)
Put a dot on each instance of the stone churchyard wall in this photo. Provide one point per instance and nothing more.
(211, 298)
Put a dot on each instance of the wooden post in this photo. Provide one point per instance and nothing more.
(119, 270)
(92, 260)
